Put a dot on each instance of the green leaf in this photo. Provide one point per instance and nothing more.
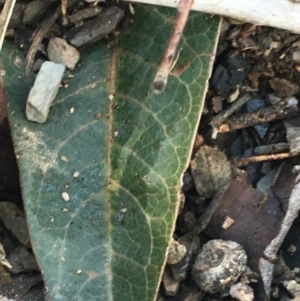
(109, 241)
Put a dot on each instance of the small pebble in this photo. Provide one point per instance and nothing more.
(296, 56)
(65, 196)
(76, 174)
(292, 287)
(219, 265)
(176, 252)
(64, 158)
(242, 292)
(35, 11)
(283, 87)
(60, 52)
(228, 222)
(292, 249)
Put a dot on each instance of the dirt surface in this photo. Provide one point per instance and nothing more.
(250, 126)
(256, 71)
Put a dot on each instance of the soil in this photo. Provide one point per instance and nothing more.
(262, 63)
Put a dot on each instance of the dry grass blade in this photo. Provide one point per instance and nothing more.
(5, 17)
(64, 4)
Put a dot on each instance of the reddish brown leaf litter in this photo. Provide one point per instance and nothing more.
(256, 218)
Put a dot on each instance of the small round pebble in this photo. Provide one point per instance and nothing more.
(176, 252)
(65, 196)
(219, 265)
(242, 292)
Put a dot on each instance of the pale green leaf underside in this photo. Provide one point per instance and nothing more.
(122, 206)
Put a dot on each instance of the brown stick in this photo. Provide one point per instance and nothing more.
(161, 78)
(262, 116)
(218, 119)
(243, 161)
(271, 148)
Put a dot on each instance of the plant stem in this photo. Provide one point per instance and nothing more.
(161, 78)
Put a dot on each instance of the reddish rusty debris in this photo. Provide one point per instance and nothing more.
(256, 216)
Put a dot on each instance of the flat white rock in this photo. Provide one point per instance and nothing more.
(44, 91)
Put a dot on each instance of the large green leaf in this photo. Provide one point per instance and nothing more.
(120, 216)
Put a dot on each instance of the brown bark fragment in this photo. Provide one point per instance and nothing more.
(261, 116)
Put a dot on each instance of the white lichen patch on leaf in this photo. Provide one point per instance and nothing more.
(32, 148)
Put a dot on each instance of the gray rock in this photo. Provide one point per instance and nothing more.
(296, 56)
(22, 261)
(171, 285)
(44, 91)
(86, 13)
(96, 29)
(17, 14)
(14, 220)
(60, 52)
(37, 65)
(219, 265)
(211, 170)
(35, 11)
(283, 87)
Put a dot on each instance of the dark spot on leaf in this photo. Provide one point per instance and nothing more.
(97, 115)
(170, 57)
(158, 86)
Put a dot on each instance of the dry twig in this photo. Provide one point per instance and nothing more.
(5, 17)
(64, 4)
(220, 118)
(243, 161)
(275, 112)
(271, 148)
(161, 78)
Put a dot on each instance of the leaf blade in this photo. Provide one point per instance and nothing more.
(123, 205)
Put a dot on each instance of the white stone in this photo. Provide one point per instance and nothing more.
(44, 91)
(65, 196)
